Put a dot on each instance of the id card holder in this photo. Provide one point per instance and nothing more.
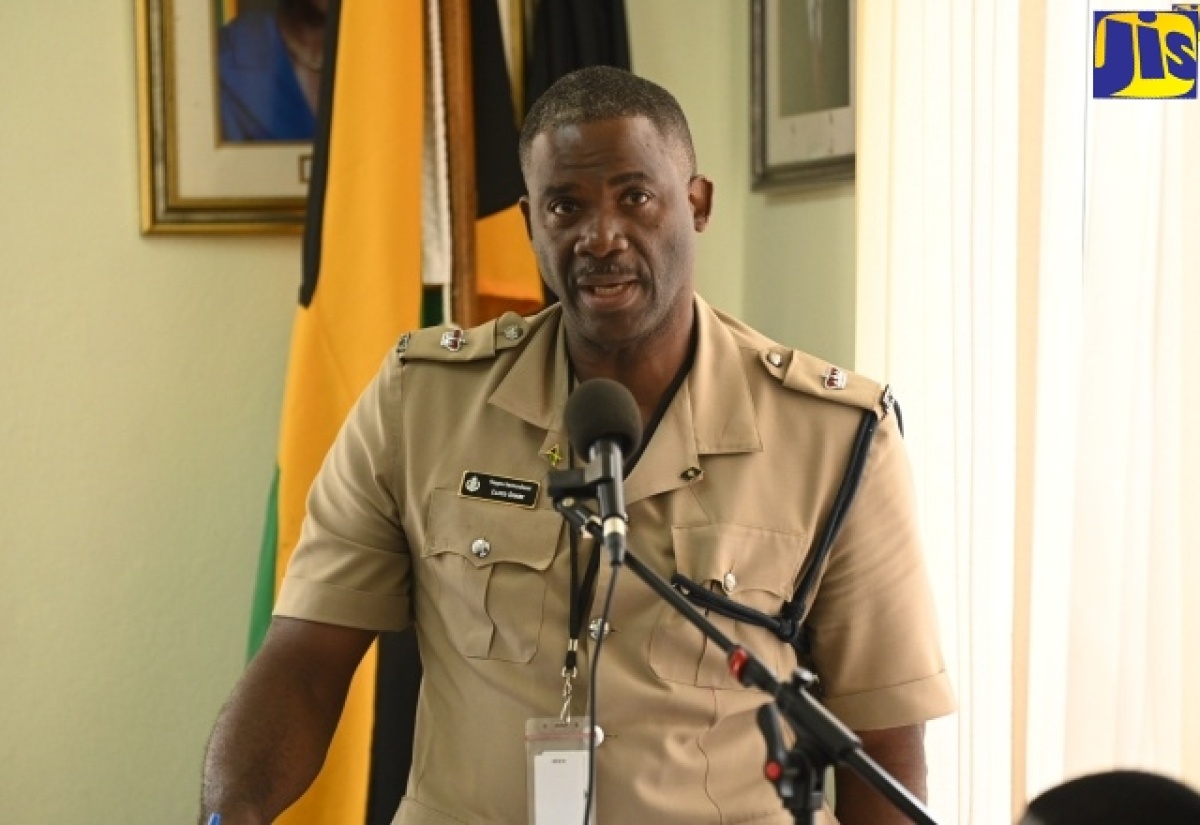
(556, 762)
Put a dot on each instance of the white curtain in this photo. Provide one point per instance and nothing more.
(1021, 260)
(936, 256)
(1105, 685)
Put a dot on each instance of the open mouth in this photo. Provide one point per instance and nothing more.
(607, 290)
(608, 296)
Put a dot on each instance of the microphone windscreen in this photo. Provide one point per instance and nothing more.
(602, 408)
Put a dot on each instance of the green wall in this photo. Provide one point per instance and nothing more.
(783, 261)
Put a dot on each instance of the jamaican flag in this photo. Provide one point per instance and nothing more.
(381, 196)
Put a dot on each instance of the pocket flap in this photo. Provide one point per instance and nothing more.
(740, 558)
(485, 533)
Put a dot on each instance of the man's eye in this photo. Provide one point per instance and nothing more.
(563, 207)
(637, 197)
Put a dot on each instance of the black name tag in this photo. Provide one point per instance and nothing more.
(514, 491)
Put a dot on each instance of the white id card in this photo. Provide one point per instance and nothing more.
(556, 754)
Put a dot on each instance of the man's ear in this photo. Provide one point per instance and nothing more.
(700, 195)
(523, 202)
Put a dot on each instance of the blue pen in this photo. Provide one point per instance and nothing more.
(214, 819)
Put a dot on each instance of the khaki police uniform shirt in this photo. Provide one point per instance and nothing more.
(391, 540)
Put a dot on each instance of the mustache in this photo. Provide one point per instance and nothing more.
(604, 269)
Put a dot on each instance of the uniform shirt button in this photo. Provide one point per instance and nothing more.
(594, 629)
(729, 582)
(481, 548)
(776, 359)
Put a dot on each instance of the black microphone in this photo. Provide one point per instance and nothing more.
(604, 423)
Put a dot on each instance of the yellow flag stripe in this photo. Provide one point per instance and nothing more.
(504, 262)
(368, 292)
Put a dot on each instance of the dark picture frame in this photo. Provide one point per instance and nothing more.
(802, 92)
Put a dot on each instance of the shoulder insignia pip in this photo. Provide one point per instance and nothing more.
(806, 373)
(447, 343)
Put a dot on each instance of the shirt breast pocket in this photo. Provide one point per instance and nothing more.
(486, 566)
(750, 565)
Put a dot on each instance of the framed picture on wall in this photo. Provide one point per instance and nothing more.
(227, 93)
(802, 91)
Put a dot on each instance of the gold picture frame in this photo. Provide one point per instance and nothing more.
(192, 180)
(802, 92)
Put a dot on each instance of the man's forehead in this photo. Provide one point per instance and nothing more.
(585, 143)
(610, 129)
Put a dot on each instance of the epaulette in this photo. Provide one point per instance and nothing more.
(445, 343)
(806, 373)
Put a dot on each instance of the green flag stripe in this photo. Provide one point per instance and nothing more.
(264, 583)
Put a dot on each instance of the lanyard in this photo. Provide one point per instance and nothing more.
(582, 594)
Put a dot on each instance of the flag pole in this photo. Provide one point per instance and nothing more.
(460, 140)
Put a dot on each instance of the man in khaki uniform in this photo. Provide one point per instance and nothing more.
(432, 509)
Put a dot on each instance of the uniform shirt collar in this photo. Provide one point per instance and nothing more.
(723, 419)
(719, 415)
(535, 389)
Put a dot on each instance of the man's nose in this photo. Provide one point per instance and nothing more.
(601, 235)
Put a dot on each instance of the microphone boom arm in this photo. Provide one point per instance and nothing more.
(821, 739)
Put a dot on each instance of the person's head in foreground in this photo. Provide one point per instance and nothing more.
(1116, 798)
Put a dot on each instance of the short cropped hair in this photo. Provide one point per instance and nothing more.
(606, 93)
(1116, 798)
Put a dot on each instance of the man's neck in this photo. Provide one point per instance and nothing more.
(646, 370)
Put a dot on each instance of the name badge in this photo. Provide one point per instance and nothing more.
(514, 491)
(556, 753)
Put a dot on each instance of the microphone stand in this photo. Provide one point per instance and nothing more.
(822, 740)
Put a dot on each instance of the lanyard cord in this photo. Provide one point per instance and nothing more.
(582, 594)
